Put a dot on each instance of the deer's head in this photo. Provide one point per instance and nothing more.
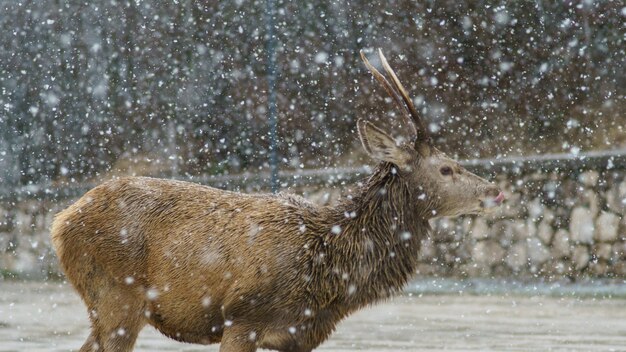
(444, 186)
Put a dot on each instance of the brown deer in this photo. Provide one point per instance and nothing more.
(252, 271)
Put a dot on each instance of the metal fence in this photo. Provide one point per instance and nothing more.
(571, 164)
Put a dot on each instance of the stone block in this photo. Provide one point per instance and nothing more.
(444, 230)
(545, 232)
(524, 229)
(480, 230)
(603, 250)
(619, 251)
(503, 232)
(428, 251)
(517, 256)
(449, 256)
(580, 257)
(512, 206)
(616, 198)
(591, 200)
(487, 253)
(599, 268)
(466, 224)
(427, 269)
(607, 225)
(589, 178)
(548, 216)
(581, 225)
(619, 268)
(538, 253)
(464, 251)
(535, 209)
(561, 246)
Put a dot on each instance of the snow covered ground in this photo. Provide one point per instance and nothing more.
(48, 316)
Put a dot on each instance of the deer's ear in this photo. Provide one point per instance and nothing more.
(381, 146)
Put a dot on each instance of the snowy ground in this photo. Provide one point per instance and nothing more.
(50, 317)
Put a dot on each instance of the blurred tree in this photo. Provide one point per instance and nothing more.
(87, 88)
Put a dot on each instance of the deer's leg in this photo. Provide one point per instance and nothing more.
(293, 346)
(237, 339)
(92, 344)
(117, 317)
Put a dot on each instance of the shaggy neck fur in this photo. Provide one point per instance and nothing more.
(372, 241)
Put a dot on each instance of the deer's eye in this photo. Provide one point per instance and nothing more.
(446, 171)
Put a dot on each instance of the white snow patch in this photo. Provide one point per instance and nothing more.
(321, 57)
(210, 256)
(152, 294)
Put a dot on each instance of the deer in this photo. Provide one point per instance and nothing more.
(271, 271)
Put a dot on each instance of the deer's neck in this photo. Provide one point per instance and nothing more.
(374, 239)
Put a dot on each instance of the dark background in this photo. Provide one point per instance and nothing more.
(179, 88)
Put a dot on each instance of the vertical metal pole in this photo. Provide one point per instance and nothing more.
(271, 91)
(173, 153)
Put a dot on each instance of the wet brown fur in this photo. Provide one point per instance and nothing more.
(187, 258)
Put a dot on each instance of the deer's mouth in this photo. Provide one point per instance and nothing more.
(492, 202)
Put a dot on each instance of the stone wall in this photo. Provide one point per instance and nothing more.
(25, 249)
(554, 224)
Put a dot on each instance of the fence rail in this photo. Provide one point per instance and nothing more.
(255, 181)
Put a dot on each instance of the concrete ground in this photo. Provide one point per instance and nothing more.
(50, 317)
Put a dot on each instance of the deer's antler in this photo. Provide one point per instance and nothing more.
(398, 93)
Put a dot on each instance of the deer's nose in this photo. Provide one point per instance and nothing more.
(496, 194)
(499, 198)
(493, 198)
